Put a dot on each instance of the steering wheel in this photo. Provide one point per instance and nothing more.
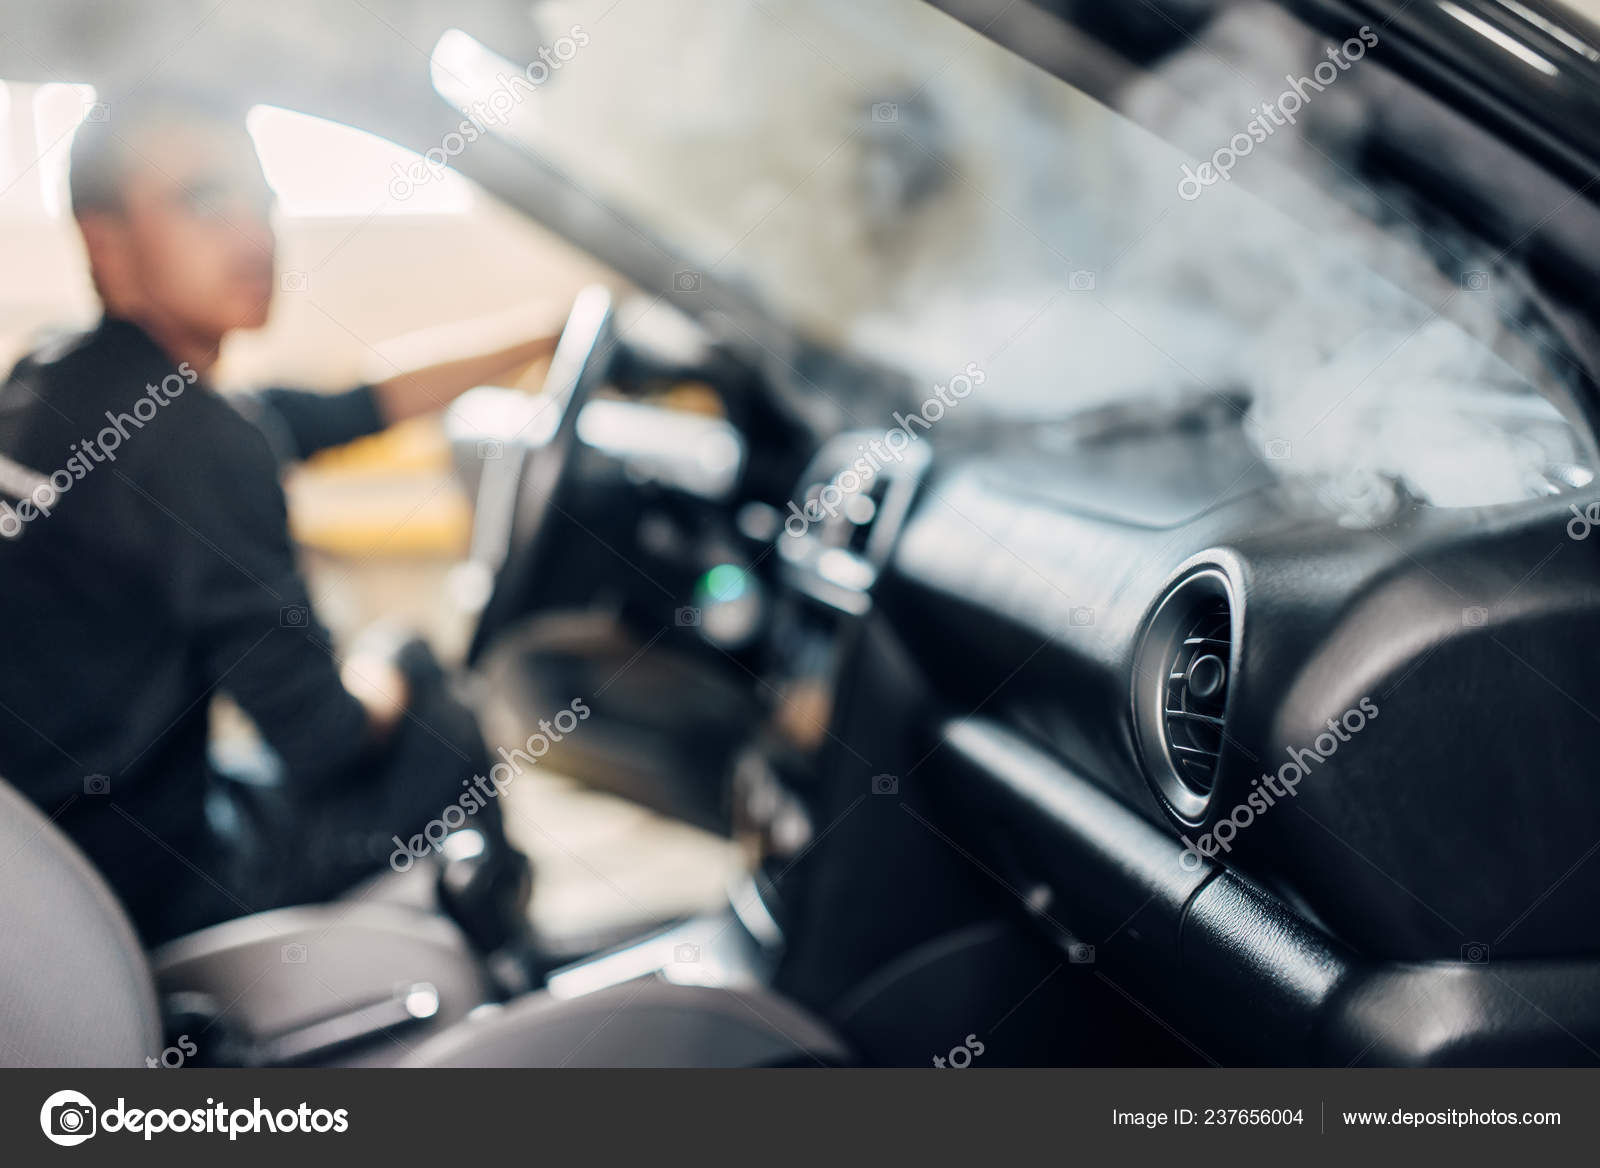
(519, 491)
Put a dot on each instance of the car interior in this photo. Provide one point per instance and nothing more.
(1112, 622)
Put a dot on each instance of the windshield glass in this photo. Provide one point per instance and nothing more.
(898, 186)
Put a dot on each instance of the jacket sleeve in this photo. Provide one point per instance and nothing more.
(240, 595)
(298, 423)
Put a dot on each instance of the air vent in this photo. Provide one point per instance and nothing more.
(1197, 694)
(850, 505)
(1182, 675)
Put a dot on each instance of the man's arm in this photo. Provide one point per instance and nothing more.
(444, 363)
(241, 599)
(432, 387)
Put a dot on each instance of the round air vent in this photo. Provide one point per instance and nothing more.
(1182, 674)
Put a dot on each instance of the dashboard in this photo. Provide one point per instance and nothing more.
(1386, 725)
(1292, 773)
(1316, 754)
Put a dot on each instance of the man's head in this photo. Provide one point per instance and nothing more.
(175, 213)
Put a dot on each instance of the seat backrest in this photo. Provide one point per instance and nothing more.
(75, 986)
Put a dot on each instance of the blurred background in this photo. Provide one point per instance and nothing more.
(383, 522)
(878, 178)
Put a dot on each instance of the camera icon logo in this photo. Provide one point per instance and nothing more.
(885, 111)
(686, 281)
(1475, 281)
(1081, 616)
(294, 953)
(294, 281)
(885, 785)
(97, 784)
(294, 616)
(491, 448)
(1474, 618)
(68, 1118)
(1080, 953)
(1277, 448)
(97, 111)
(686, 618)
(686, 954)
(1475, 953)
(1081, 280)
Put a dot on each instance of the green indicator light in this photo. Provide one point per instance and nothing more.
(724, 582)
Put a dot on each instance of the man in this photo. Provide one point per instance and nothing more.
(146, 564)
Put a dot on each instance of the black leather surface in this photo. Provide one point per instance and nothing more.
(1223, 960)
(1460, 815)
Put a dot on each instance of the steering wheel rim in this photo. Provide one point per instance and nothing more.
(528, 483)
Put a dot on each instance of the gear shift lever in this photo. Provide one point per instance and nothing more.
(486, 890)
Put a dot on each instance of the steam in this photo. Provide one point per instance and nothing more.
(897, 184)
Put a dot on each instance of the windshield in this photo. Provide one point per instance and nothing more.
(898, 186)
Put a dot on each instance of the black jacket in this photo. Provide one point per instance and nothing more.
(145, 563)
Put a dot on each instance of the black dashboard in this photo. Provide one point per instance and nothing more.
(1324, 771)
(1393, 727)
(1172, 705)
